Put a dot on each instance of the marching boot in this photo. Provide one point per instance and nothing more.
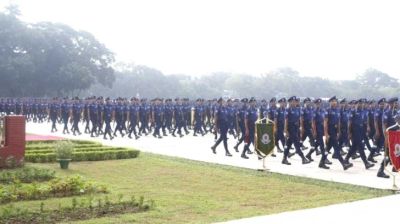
(213, 149)
(381, 173)
(347, 165)
(322, 165)
(285, 161)
(328, 162)
(368, 165)
(308, 156)
(371, 158)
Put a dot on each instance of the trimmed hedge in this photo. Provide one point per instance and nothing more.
(88, 149)
(43, 152)
(85, 156)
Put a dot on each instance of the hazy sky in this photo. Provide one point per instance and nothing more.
(336, 39)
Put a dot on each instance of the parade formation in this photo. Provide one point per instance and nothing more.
(347, 130)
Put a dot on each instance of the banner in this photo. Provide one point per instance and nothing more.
(394, 148)
(265, 141)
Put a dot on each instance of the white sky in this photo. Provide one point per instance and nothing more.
(337, 39)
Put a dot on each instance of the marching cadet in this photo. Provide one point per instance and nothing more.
(263, 110)
(240, 117)
(344, 124)
(109, 115)
(292, 128)
(250, 119)
(100, 115)
(133, 117)
(198, 118)
(388, 120)
(119, 113)
(280, 121)
(76, 115)
(65, 114)
(367, 129)
(231, 118)
(222, 124)
(144, 117)
(168, 115)
(53, 114)
(357, 132)
(93, 114)
(318, 131)
(306, 124)
(86, 118)
(379, 132)
(332, 131)
(157, 114)
(179, 117)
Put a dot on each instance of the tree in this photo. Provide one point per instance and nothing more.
(375, 78)
(49, 59)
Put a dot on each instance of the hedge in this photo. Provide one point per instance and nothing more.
(85, 155)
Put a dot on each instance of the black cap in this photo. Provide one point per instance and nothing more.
(252, 99)
(282, 100)
(392, 100)
(245, 100)
(343, 100)
(273, 100)
(318, 100)
(292, 98)
(383, 100)
(332, 99)
(220, 100)
(307, 99)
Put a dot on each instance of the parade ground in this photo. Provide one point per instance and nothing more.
(198, 149)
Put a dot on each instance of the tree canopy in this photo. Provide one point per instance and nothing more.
(46, 59)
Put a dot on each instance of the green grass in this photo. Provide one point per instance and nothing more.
(195, 192)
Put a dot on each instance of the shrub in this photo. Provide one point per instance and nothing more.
(64, 149)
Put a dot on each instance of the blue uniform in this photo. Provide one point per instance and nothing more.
(281, 115)
(308, 115)
(293, 126)
(357, 130)
(223, 124)
(107, 112)
(333, 122)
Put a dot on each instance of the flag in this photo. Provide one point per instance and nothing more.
(265, 141)
(394, 148)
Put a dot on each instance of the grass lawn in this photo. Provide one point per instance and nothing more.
(195, 192)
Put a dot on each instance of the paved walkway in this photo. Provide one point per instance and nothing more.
(376, 210)
(198, 148)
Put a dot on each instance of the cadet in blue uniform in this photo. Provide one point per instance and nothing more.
(356, 131)
(108, 117)
(198, 118)
(144, 111)
(93, 114)
(53, 114)
(133, 117)
(240, 116)
(344, 124)
(168, 115)
(332, 123)
(119, 113)
(157, 115)
(100, 115)
(388, 120)
(76, 115)
(318, 132)
(179, 117)
(250, 119)
(65, 114)
(379, 133)
(307, 130)
(86, 118)
(280, 121)
(222, 124)
(292, 130)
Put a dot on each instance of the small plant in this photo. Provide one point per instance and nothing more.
(64, 149)
(141, 202)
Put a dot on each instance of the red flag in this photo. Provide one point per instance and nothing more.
(394, 148)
